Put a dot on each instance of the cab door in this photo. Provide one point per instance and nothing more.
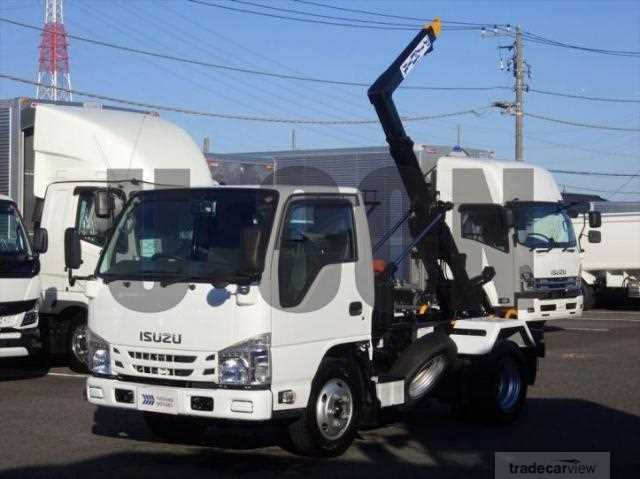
(316, 301)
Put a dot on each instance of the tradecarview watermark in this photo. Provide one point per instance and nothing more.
(538, 465)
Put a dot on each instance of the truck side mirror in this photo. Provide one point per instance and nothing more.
(595, 219)
(105, 204)
(40, 240)
(595, 236)
(251, 239)
(72, 249)
(573, 213)
(509, 218)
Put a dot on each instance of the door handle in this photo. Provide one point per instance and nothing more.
(355, 308)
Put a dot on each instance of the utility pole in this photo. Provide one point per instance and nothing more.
(459, 139)
(206, 144)
(519, 72)
(520, 69)
(293, 140)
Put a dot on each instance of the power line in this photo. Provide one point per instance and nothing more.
(582, 125)
(285, 76)
(581, 148)
(535, 38)
(234, 116)
(238, 69)
(596, 173)
(619, 190)
(596, 190)
(585, 97)
(379, 14)
(369, 24)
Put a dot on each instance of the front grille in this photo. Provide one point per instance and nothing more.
(161, 357)
(568, 282)
(154, 363)
(16, 307)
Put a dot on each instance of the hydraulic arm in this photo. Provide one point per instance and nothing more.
(432, 237)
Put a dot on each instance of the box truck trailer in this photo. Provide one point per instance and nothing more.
(53, 159)
(263, 303)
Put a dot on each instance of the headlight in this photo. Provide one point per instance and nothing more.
(31, 317)
(526, 276)
(98, 354)
(247, 363)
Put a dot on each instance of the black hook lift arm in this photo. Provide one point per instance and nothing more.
(462, 295)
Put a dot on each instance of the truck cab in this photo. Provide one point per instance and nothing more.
(510, 215)
(19, 286)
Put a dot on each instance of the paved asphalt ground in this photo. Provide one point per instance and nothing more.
(587, 399)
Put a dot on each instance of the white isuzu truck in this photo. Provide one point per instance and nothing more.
(258, 304)
(54, 159)
(510, 215)
(19, 286)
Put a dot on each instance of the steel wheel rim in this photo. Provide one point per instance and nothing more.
(334, 409)
(79, 343)
(426, 377)
(509, 385)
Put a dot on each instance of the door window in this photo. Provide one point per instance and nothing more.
(485, 224)
(315, 233)
(91, 228)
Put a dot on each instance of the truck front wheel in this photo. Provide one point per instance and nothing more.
(329, 423)
(77, 341)
(178, 429)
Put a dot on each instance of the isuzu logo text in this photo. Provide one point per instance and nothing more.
(558, 272)
(151, 337)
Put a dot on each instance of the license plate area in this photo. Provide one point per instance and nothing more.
(158, 400)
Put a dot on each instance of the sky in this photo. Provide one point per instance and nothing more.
(460, 59)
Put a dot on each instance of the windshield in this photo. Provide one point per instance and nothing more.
(543, 225)
(194, 235)
(15, 251)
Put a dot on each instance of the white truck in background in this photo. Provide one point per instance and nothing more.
(510, 215)
(611, 267)
(54, 158)
(19, 285)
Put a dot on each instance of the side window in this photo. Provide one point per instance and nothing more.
(91, 228)
(486, 225)
(315, 233)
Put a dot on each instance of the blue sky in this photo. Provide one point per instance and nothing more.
(461, 59)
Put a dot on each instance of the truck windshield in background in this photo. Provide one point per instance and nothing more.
(189, 235)
(543, 225)
(16, 257)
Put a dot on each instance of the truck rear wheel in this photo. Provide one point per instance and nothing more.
(497, 388)
(329, 423)
(178, 429)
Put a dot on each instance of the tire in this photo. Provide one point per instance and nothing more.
(423, 364)
(175, 429)
(335, 392)
(497, 387)
(77, 344)
(588, 297)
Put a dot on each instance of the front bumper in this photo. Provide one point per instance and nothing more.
(233, 404)
(19, 342)
(535, 309)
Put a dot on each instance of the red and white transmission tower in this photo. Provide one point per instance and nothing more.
(53, 69)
